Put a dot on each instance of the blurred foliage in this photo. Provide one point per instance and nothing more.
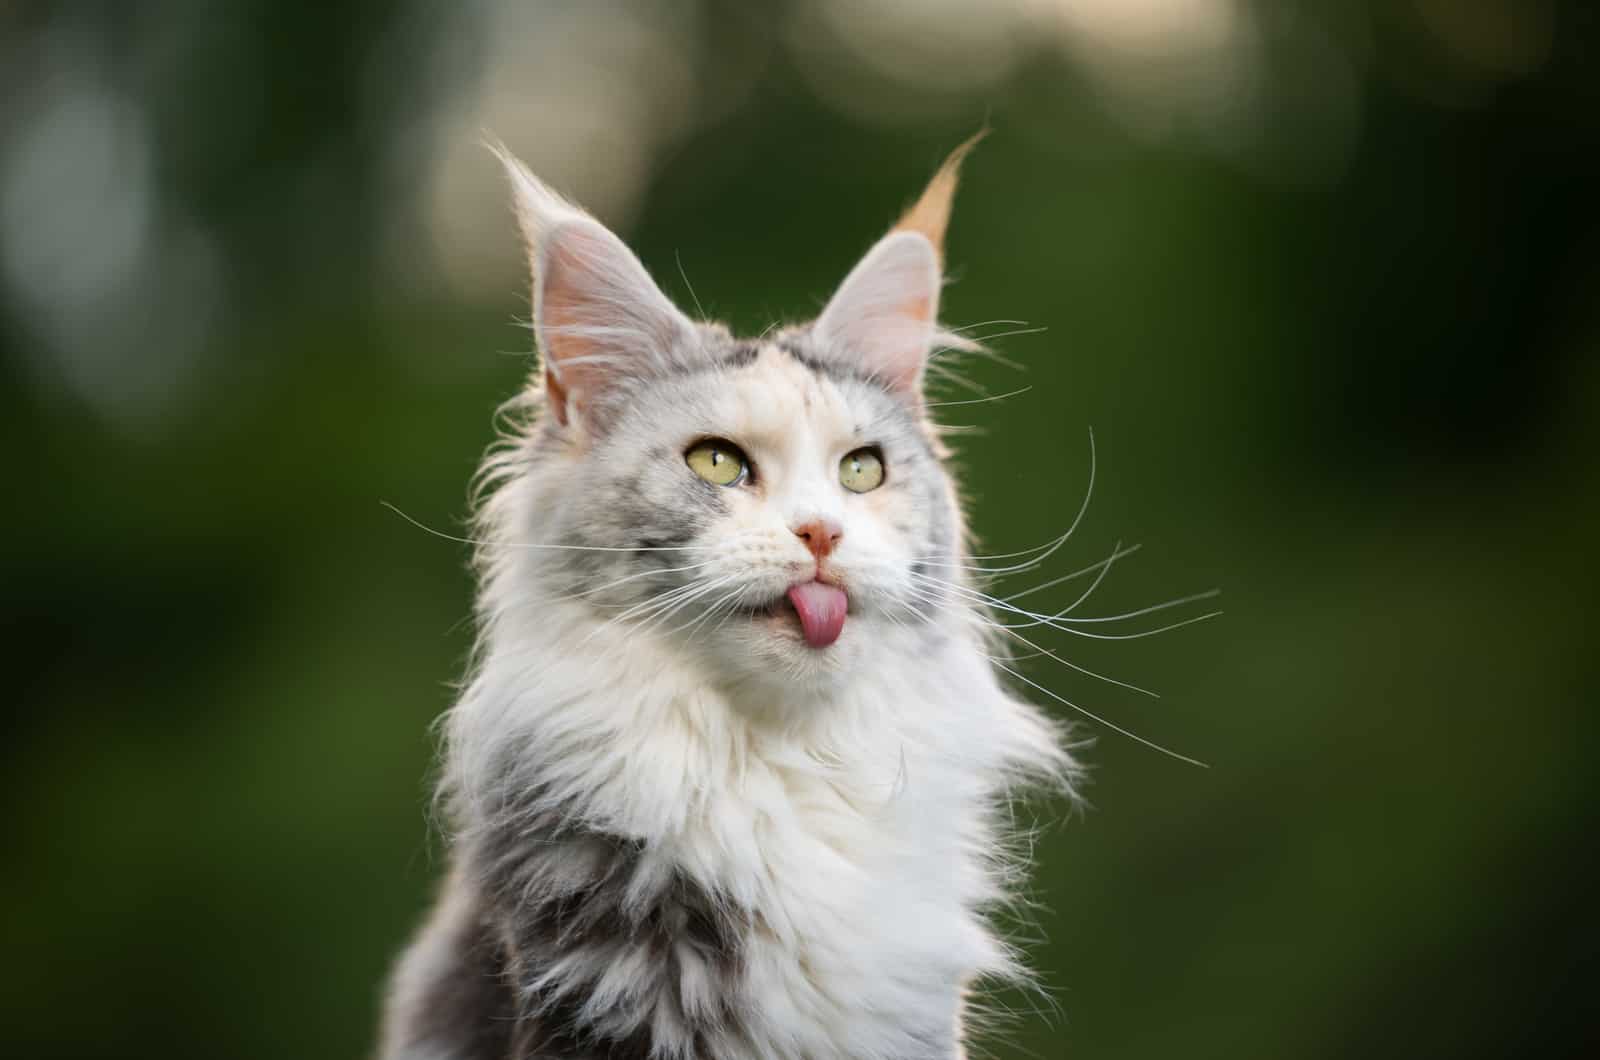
(1356, 390)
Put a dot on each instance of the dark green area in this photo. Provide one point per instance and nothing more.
(1360, 400)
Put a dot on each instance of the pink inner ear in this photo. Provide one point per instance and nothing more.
(884, 311)
(598, 314)
(572, 293)
(561, 315)
(555, 396)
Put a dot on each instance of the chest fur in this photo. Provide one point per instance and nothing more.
(806, 919)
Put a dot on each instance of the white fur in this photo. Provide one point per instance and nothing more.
(846, 798)
(860, 829)
(852, 809)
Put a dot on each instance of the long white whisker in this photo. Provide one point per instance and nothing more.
(1053, 582)
(712, 610)
(985, 324)
(627, 578)
(1064, 625)
(1007, 334)
(698, 308)
(944, 371)
(515, 544)
(975, 347)
(1047, 620)
(1068, 663)
(1207, 595)
(1096, 718)
(701, 590)
(651, 607)
(655, 619)
(977, 401)
(1082, 670)
(1093, 585)
(1126, 636)
(1051, 546)
(1105, 569)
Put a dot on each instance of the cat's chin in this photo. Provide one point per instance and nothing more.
(778, 622)
(766, 646)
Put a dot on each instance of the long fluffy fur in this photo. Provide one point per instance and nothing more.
(692, 844)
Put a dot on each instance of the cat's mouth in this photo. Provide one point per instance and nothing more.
(818, 607)
(821, 609)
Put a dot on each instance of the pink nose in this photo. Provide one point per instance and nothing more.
(820, 536)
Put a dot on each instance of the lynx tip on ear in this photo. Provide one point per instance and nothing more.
(930, 215)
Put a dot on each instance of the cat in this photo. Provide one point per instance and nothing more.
(728, 778)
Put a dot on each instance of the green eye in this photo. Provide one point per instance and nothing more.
(719, 462)
(861, 471)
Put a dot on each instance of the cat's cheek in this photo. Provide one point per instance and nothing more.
(893, 514)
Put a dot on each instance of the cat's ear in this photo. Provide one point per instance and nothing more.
(886, 312)
(597, 315)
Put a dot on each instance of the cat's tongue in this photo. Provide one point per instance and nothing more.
(821, 608)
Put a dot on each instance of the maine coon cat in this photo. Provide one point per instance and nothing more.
(728, 777)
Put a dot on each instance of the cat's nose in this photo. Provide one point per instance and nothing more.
(820, 536)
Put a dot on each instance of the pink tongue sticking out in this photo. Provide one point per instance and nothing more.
(821, 608)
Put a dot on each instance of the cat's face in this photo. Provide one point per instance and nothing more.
(774, 507)
(769, 511)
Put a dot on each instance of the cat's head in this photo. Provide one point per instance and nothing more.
(776, 506)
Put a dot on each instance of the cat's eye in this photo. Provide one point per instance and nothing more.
(719, 462)
(861, 471)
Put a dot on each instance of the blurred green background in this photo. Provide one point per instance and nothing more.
(1321, 276)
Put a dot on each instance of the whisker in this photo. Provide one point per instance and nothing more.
(1068, 663)
(627, 578)
(698, 308)
(1093, 585)
(727, 615)
(653, 621)
(975, 347)
(1081, 669)
(1209, 594)
(945, 372)
(1126, 636)
(1049, 547)
(661, 602)
(726, 598)
(1105, 569)
(1096, 718)
(1053, 582)
(1051, 621)
(985, 324)
(514, 544)
(1007, 334)
(977, 401)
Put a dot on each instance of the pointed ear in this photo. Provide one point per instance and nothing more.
(886, 312)
(597, 315)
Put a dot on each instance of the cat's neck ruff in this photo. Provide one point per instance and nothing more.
(857, 835)
(638, 735)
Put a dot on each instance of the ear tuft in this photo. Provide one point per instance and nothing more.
(885, 314)
(930, 214)
(539, 208)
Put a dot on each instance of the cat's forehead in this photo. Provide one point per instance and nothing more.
(776, 392)
(774, 388)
